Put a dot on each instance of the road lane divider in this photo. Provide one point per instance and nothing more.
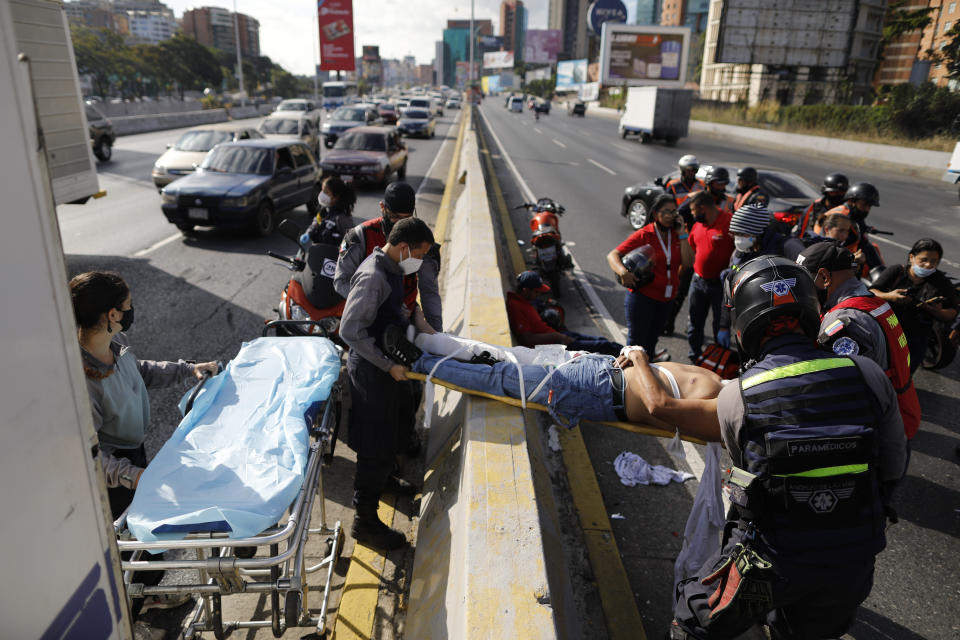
(600, 166)
(559, 144)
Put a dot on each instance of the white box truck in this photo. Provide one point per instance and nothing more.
(657, 113)
(59, 554)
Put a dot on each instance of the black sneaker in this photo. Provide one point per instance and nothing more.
(396, 345)
(369, 530)
(484, 358)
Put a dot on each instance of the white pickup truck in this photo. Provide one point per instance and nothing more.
(952, 174)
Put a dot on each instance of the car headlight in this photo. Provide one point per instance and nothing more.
(325, 128)
(159, 170)
(236, 203)
(167, 198)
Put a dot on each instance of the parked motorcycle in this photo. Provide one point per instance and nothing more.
(548, 254)
(941, 350)
(309, 294)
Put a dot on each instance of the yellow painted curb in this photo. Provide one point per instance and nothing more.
(516, 256)
(616, 596)
(357, 610)
(443, 213)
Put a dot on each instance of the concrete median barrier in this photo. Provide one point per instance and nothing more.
(127, 125)
(481, 567)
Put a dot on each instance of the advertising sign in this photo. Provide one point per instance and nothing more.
(813, 33)
(463, 73)
(603, 11)
(589, 91)
(542, 45)
(538, 74)
(336, 35)
(498, 60)
(644, 55)
(490, 84)
(571, 74)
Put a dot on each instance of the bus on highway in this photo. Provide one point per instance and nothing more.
(336, 94)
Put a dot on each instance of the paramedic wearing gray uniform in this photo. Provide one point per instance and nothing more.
(117, 384)
(378, 385)
(399, 202)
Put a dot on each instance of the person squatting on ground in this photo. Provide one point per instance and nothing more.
(379, 390)
(117, 383)
(817, 445)
(713, 245)
(648, 264)
(920, 294)
(531, 329)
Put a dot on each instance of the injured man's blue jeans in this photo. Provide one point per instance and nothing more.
(589, 387)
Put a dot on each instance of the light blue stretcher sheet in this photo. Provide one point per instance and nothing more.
(238, 459)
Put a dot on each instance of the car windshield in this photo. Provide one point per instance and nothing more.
(354, 115)
(280, 125)
(362, 142)
(202, 140)
(292, 105)
(386, 107)
(239, 159)
(777, 184)
(416, 114)
(419, 103)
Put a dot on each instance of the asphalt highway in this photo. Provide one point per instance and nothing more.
(585, 165)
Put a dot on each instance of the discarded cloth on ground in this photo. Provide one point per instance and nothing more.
(237, 460)
(634, 470)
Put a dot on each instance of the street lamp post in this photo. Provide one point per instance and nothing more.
(473, 36)
(236, 36)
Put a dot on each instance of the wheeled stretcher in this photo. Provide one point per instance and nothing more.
(236, 484)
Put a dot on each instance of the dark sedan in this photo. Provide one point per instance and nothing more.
(417, 122)
(346, 118)
(244, 184)
(367, 154)
(388, 112)
(789, 193)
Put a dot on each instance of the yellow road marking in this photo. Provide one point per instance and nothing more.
(361, 588)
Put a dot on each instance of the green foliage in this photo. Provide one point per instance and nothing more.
(950, 54)
(901, 20)
(542, 88)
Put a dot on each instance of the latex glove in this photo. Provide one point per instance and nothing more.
(723, 338)
(305, 239)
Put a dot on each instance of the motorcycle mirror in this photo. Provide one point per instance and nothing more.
(521, 243)
(658, 182)
(289, 229)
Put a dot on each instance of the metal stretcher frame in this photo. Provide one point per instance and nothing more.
(284, 573)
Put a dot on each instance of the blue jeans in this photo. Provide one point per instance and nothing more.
(593, 344)
(705, 296)
(646, 319)
(580, 390)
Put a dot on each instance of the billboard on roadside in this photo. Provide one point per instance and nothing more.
(813, 33)
(490, 84)
(539, 74)
(571, 74)
(541, 46)
(463, 74)
(335, 19)
(498, 60)
(644, 55)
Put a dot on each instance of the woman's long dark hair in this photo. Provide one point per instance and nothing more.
(344, 193)
(94, 293)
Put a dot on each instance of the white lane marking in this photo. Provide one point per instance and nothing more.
(157, 245)
(537, 130)
(600, 166)
(426, 176)
(694, 459)
(559, 144)
(907, 249)
(624, 147)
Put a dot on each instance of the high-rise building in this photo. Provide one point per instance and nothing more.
(648, 11)
(513, 26)
(425, 75)
(214, 27)
(905, 59)
(787, 84)
(685, 13)
(456, 47)
(139, 21)
(570, 17)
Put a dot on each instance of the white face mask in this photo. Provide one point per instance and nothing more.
(922, 272)
(743, 244)
(324, 199)
(409, 265)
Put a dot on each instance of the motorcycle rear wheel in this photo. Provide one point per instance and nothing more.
(940, 349)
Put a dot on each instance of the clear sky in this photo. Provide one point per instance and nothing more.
(288, 31)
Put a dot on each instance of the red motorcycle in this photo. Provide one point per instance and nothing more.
(549, 256)
(309, 294)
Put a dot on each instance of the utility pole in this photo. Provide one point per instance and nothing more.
(316, 52)
(473, 36)
(236, 36)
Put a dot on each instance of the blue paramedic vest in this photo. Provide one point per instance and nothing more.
(808, 436)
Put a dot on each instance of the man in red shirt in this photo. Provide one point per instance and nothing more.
(531, 330)
(712, 246)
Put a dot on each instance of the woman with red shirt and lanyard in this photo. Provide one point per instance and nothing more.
(649, 307)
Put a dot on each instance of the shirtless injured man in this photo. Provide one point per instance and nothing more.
(571, 386)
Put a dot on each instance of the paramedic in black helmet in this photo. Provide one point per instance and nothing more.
(817, 447)
(748, 189)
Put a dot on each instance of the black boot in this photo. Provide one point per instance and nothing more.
(370, 531)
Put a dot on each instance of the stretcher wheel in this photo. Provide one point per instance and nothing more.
(291, 608)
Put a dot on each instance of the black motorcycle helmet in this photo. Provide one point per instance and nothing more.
(717, 174)
(748, 175)
(639, 262)
(835, 182)
(766, 288)
(863, 191)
